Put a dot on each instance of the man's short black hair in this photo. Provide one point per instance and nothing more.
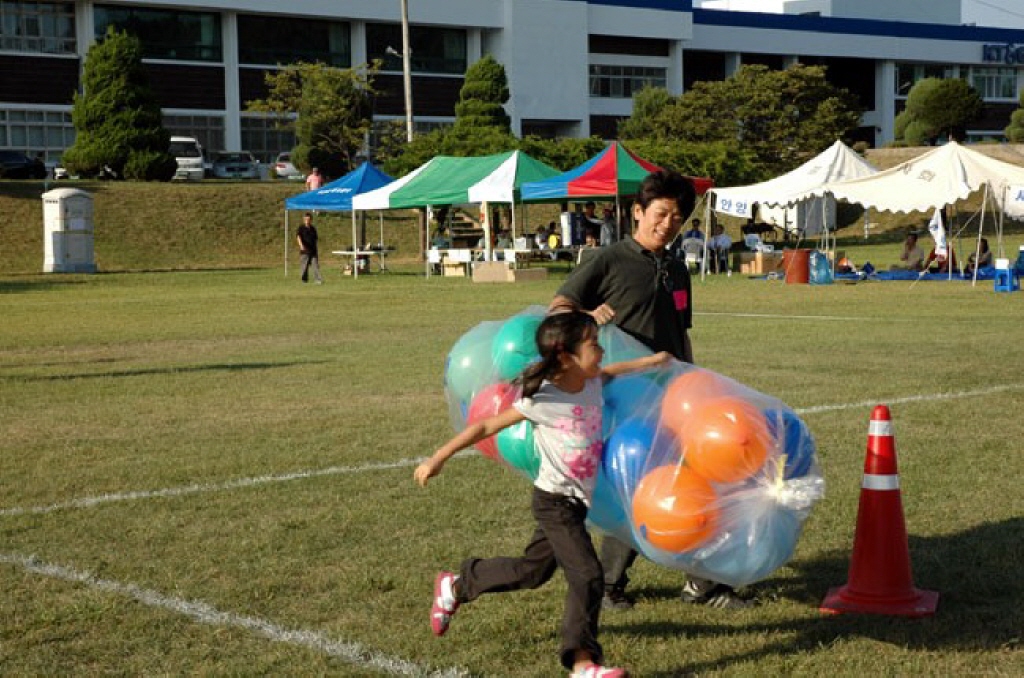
(668, 184)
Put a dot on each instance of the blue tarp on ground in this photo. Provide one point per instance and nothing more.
(986, 273)
(337, 195)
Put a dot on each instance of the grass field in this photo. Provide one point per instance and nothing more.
(210, 472)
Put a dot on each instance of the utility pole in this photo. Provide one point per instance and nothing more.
(407, 69)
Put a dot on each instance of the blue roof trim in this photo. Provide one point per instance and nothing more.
(895, 29)
(667, 5)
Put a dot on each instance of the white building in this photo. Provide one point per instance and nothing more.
(573, 65)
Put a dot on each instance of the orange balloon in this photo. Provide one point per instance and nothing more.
(675, 509)
(687, 392)
(726, 440)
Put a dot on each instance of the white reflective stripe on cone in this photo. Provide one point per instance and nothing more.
(876, 482)
(879, 427)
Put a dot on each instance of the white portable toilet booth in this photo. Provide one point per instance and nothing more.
(68, 231)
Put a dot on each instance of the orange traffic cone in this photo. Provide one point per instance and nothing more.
(880, 581)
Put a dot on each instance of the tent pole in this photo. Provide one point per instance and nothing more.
(286, 242)
(355, 248)
(1002, 213)
(981, 227)
(977, 253)
(618, 218)
(380, 219)
(707, 236)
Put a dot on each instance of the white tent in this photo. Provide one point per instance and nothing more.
(943, 176)
(940, 177)
(798, 187)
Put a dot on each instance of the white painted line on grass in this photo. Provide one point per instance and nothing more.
(350, 652)
(772, 316)
(911, 399)
(88, 502)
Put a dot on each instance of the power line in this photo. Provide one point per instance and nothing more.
(998, 8)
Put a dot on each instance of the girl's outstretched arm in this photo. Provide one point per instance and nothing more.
(635, 365)
(470, 435)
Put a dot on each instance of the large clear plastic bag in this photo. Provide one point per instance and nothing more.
(699, 472)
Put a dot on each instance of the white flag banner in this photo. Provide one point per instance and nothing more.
(1015, 201)
(938, 232)
(737, 208)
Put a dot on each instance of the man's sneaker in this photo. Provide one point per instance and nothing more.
(616, 600)
(445, 604)
(718, 596)
(598, 671)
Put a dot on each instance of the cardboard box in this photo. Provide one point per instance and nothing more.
(502, 271)
(492, 271)
(756, 263)
(453, 270)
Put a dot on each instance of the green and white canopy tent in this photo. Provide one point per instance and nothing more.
(447, 180)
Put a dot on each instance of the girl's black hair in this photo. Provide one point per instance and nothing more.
(557, 333)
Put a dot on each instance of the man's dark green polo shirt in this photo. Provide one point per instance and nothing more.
(650, 295)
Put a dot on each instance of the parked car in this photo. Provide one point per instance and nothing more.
(284, 169)
(17, 165)
(235, 165)
(189, 154)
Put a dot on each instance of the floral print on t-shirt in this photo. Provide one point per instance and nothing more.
(581, 445)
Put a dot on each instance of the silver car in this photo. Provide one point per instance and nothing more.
(284, 169)
(235, 165)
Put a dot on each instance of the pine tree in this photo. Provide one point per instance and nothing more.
(117, 118)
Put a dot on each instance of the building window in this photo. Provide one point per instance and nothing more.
(994, 82)
(262, 137)
(278, 40)
(46, 27)
(166, 34)
(622, 82)
(908, 74)
(45, 133)
(207, 129)
(434, 50)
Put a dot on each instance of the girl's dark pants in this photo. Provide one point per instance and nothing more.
(561, 540)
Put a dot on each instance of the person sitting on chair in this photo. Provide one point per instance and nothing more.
(719, 247)
(984, 260)
(911, 257)
(940, 260)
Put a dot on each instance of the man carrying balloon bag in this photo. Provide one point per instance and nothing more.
(646, 293)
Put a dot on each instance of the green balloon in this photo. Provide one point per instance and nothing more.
(515, 345)
(515, 445)
(468, 367)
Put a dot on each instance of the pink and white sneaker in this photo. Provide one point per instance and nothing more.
(598, 671)
(445, 604)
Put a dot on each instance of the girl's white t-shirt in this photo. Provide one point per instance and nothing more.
(567, 435)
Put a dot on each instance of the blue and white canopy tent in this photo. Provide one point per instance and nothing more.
(337, 197)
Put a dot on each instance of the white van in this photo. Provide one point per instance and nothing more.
(189, 154)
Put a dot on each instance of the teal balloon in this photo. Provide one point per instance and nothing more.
(753, 551)
(515, 345)
(619, 346)
(468, 367)
(515, 445)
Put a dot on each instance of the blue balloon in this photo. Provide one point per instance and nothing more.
(606, 511)
(636, 446)
(628, 396)
(626, 454)
(796, 441)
